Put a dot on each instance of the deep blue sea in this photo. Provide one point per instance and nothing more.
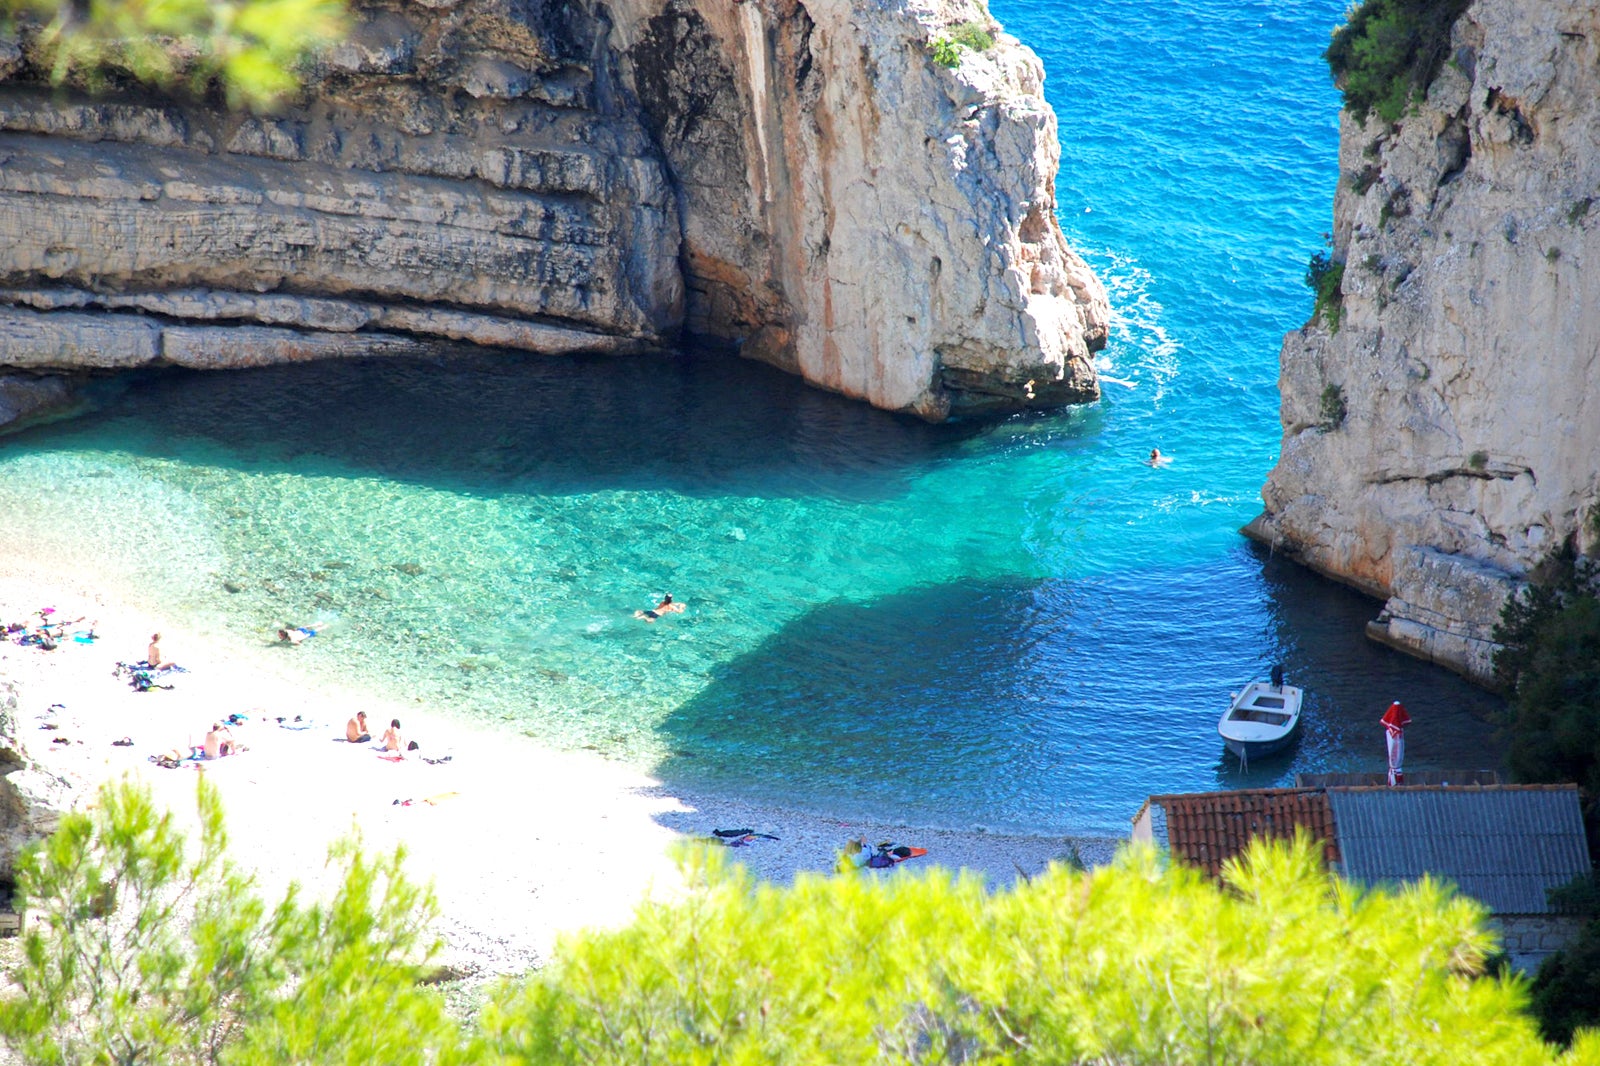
(1018, 625)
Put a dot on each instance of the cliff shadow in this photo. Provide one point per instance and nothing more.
(1053, 705)
(697, 422)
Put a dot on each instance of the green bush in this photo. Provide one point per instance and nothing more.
(252, 49)
(138, 952)
(1389, 51)
(945, 52)
(973, 35)
(1139, 963)
(1553, 669)
(1332, 408)
(1324, 276)
(141, 949)
(1566, 990)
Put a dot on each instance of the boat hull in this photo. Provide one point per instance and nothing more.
(1255, 749)
(1262, 720)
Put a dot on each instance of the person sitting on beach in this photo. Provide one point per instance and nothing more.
(153, 656)
(220, 742)
(296, 635)
(355, 730)
(666, 606)
(390, 741)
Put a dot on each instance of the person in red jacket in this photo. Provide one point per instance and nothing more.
(1395, 720)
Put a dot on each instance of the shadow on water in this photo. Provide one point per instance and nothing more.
(1350, 681)
(698, 423)
(1055, 705)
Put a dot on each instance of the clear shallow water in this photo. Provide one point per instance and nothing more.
(1020, 626)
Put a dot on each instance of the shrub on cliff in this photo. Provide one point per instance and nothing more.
(1325, 277)
(1389, 51)
(139, 949)
(1549, 665)
(1566, 990)
(251, 49)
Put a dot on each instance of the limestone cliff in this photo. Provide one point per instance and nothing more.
(799, 179)
(1443, 440)
(32, 800)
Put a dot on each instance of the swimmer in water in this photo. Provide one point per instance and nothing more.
(296, 635)
(666, 606)
(1157, 459)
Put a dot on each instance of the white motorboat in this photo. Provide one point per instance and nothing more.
(1262, 718)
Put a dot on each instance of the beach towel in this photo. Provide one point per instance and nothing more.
(890, 854)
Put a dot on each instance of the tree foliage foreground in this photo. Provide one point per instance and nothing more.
(254, 51)
(142, 949)
(1139, 962)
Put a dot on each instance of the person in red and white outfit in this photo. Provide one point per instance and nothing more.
(1395, 720)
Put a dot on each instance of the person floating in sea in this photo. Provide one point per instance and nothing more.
(1395, 720)
(1157, 459)
(667, 606)
(296, 635)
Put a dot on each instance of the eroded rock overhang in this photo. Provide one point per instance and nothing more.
(802, 181)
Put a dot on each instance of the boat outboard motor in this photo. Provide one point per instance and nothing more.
(1277, 676)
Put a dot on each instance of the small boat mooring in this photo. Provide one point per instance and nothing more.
(1261, 719)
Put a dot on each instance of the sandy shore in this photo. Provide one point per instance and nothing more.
(521, 842)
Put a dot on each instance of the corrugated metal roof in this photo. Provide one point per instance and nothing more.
(1206, 829)
(1504, 846)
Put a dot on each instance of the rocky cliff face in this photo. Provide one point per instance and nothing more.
(799, 179)
(32, 800)
(1467, 358)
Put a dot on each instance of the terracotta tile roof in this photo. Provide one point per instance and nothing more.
(1206, 829)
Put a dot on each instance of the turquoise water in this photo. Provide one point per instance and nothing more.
(1020, 625)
